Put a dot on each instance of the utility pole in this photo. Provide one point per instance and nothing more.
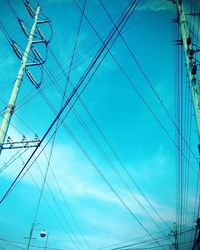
(191, 64)
(175, 236)
(196, 244)
(12, 101)
(30, 236)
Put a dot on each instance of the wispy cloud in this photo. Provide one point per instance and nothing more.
(77, 178)
(155, 5)
(57, 1)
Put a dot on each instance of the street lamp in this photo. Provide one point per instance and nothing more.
(43, 234)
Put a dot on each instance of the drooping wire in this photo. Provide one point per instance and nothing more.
(53, 141)
(74, 241)
(139, 94)
(78, 85)
(106, 181)
(107, 159)
(44, 181)
(149, 82)
(87, 130)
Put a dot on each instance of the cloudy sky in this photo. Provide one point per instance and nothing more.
(122, 165)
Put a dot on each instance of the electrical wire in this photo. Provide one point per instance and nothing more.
(74, 241)
(107, 182)
(91, 136)
(75, 90)
(149, 82)
(53, 141)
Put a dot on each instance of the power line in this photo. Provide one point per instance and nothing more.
(78, 85)
(74, 241)
(87, 130)
(98, 169)
(140, 95)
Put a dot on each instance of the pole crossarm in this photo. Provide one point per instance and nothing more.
(20, 144)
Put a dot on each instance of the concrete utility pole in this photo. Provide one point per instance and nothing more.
(11, 104)
(190, 62)
(196, 245)
(175, 236)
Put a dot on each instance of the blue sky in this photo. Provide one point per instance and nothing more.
(134, 139)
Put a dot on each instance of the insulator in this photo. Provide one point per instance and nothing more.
(179, 42)
(31, 78)
(16, 50)
(199, 148)
(41, 34)
(194, 69)
(194, 82)
(36, 138)
(8, 139)
(23, 27)
(36, 54)
(29, 8)
(24, 138)
(189, 40)
(190, 53)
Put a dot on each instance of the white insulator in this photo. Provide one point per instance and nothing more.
(16, 50)
(41, 34)
(36, 138)
(30, 9)
(36, 54)
(23, 27)
(24, 138)
(31, 78)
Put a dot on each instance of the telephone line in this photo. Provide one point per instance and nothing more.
(15, 182)
(78, 85)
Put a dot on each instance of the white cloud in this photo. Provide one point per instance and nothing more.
(57, 1)
(78, 181)
(155, 5)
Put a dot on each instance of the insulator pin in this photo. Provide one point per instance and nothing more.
(189, 40)
(16, 50)
(21, 23)
(190, 53)
(194, 69)
(41, 34)
(32, 79)
(29, 8)
(37, 54)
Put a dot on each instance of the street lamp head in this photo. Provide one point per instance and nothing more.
(43, 234)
